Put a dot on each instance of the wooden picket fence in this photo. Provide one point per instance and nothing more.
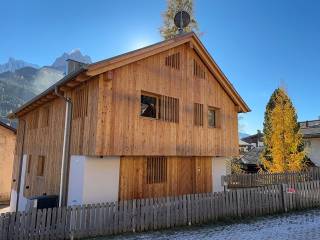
(264, 179)
(158, 213)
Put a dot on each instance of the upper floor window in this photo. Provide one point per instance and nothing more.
(198, 114)
(173, 61)
(159, 107)
(212, 117)
(149, 106)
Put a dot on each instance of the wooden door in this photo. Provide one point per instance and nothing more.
(186, 173)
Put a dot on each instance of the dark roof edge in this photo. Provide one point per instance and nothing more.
(8, 127)
(47, 91)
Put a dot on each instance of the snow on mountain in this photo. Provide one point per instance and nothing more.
(14, 64)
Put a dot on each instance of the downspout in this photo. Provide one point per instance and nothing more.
(20, 165)
(64, 177)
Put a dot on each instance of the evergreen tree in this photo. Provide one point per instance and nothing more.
(169, 30)
(282, 140)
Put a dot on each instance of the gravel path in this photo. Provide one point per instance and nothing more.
(302, 225)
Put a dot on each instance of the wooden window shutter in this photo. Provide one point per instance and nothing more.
(169, 109)
(80, 105)
(173, 61)
(45, 116)
(40, 166)
(34, 120)
(198, 70)
(156, 169)
(198, 114)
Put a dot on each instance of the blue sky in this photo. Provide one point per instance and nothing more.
(257, 44)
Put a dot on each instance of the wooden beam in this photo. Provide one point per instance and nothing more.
(73, 84)
(64, 88)
(82, 77)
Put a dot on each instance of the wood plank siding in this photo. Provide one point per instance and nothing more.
(107, 122)
(122, 131)
(46, 140)
(184, 175)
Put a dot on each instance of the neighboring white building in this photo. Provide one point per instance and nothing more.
(311, 137)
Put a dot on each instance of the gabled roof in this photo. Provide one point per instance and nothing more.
(94, 69)
(253, 156)
(8, 127)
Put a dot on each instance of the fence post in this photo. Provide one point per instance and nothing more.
(284, 197)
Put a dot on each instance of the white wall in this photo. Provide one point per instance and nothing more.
(76, 178)
(22, 200)
(93, 180)
(219, 168)
(314, 151)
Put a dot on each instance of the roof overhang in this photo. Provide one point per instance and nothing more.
(85, 73)
(194, 42)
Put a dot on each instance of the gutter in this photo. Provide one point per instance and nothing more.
(64, 174)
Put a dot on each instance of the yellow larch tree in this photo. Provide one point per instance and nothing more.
(282, 139)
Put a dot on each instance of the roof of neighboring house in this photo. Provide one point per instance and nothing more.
(85, 73)
(8, 127)
(253, 138)
(310, 129)
(243, 143)
(253, 156)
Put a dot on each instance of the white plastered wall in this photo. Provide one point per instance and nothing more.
(219, 168)
(314, 151)
(93, 180)
(22, 200)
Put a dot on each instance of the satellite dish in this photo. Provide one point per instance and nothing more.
(181, 20)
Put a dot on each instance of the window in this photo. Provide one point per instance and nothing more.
(40, 166)
(173, 61)
(45, 116)
(149, 105)
(156, 170)
(198, 114)
(212, 117)
(198, 70)
(29, 164)
(160, 107)
(169, 109)
(80, 108)
(34, 120)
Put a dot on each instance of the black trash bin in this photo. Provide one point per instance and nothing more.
(42, 202)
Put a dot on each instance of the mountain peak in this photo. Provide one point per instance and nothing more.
(60, 62)
(14, 64)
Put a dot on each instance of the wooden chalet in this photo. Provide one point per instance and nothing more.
(158, 121)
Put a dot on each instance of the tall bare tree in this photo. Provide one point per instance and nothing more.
(169, 30)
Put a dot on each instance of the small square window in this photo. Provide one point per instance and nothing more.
(29, 166)
(212, 117)
(156, 170)
(40, 166)
(149, 105)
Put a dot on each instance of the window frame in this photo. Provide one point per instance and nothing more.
(216, 113)
(157, 97)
